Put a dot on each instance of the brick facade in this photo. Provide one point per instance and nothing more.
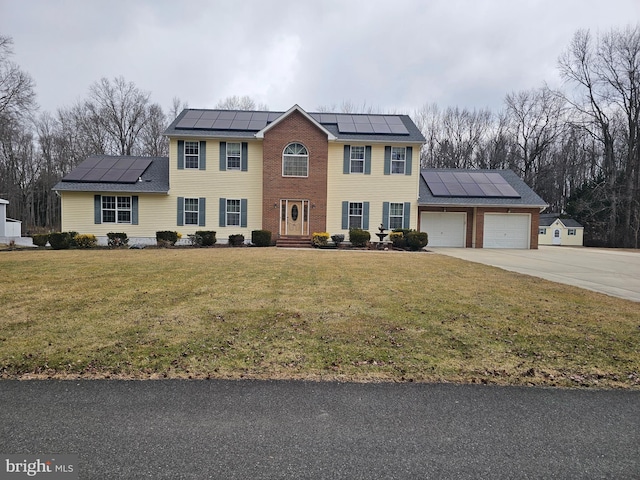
(295, 128)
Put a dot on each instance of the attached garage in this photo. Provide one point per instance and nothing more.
(507, 230)
(444, 229)
(478, 209)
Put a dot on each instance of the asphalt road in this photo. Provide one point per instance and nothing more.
(299, 430)
(611, 271)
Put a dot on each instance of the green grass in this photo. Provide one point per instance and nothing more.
(316, 314)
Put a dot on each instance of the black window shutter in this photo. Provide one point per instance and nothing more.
(367, 160)
(408, 161)
(202, 204)
(222, 213)
(387, 160)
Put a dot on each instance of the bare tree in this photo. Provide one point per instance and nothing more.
(235, 102)
(536, 120)
(120, 109)
(605, 72)
(17, 95)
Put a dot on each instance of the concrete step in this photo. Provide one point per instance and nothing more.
(293, 242)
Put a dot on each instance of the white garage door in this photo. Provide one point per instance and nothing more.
(506, 230)
(444, 229)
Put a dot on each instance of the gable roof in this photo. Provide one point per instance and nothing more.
(104, 173)
(245, 124)
(547, 219)
(524, 196)
(295, 108)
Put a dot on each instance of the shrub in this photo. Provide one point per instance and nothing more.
(338, 238)
(118, 239)
(320, 239)
(59, 240)
(86, 240)
(359, 237)
(72, 239)
(261, 238)
(207, 238)
(398, 240)
(166, 238)
(236, 240)
(40, 239)
(417, 240)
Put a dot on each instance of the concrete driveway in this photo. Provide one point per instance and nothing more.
(610, 271)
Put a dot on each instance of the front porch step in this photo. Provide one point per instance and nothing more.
(293, 242)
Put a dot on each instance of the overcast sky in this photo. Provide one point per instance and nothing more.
(392, 55)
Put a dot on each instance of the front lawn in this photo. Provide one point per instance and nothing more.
(305, 314)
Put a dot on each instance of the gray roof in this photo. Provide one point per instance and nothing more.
(329, 121)
(547, 219)
(155, 179)
(528, 198)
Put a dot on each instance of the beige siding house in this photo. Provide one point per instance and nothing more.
(560, 231)
(292, 173)
(295, 173)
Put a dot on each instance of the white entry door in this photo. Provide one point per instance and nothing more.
(445, 229)
(557, 236)
(507, 230)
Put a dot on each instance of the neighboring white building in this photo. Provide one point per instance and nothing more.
(10, 229)
(559, 231)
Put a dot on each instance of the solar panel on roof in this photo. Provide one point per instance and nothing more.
(210, 115)
(239, 124)
(204, 123)
(364, 128)
(109, 170)
(381, 128)
(193, 114)
(469, 184)
(346, 127)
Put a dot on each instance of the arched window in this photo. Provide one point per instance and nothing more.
(295, 161)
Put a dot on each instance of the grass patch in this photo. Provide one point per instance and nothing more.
(321, 315)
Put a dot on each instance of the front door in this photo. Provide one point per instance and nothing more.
(294, 217)
(557, 239)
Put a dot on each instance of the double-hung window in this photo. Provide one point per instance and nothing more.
(357, 159)
(396, 215)
(571, 231)
(233, 155)
(355, 214)
(295, 161)
(398, 159)
(191, 154)
(191, 211)
(233, 212)
(542, 231)
(116, 209)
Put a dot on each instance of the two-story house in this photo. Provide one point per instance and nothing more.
(292, 173)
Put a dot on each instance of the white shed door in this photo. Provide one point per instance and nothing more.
(444, 229)
(507, 230)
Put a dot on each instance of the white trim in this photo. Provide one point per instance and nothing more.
(295, 108)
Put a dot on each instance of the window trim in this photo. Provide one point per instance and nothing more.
(360, 160)
(239, 156)
(195, 201)
(286, 156)
(238, 213)
(403, 162)
(189, 157)
(350, 215)
(116, 209)
(401, 217)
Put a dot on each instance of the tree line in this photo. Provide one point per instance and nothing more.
(578, 148)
